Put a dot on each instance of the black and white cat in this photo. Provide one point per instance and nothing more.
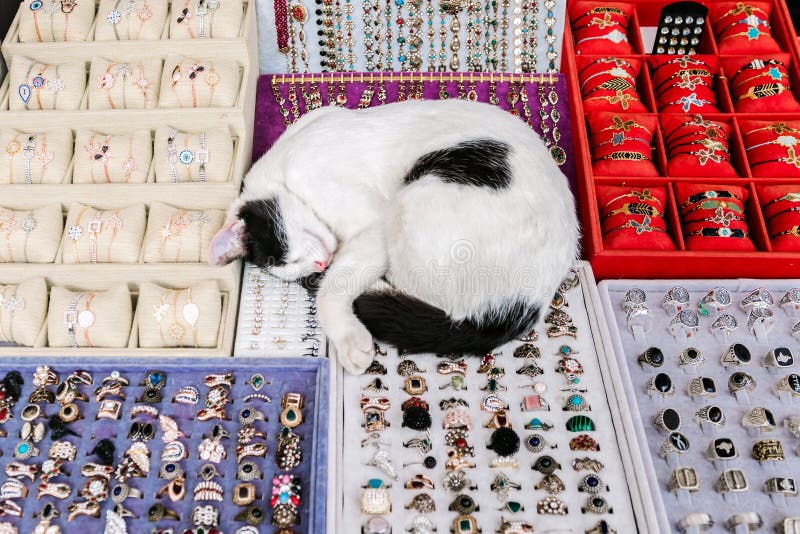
(440, 226)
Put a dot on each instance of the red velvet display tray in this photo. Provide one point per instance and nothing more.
(764, 262)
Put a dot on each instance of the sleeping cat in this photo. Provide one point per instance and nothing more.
(440, 226)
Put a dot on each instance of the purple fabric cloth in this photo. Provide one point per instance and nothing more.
(269, 123)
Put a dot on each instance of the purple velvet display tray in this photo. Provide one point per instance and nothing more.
(308, 377)
(269, 122)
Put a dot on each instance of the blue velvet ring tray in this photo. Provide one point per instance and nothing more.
(307, 377)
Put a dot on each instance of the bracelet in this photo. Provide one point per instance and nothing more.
(28, 153)
(616, 72)
(705, 133)
(602, 9)
(642, 195)
(742, 8)
(703, 156)
(613, 84)
(773, 72)
(615, 36)
(787, 141)
(777, 128)
(86, 318)
(720, 217)
(618, 124)
(620, 97)
(713, 205)
(687, 82)
(788, 197)
(95, 226)
(706, 142)
(619, 138)
(750, 20)
(604, 22)
(202, 156)
(763, 91)
(686, 102)
(172, 153)
(71, 319)
(791, 158)
(604, 61)
(720, 232)
(641, 228)
(683, 61)
(755, 64)
(635, 208)
(623, 155)
(707, 125)
(705, 195)
(794, 231)
(788, 210)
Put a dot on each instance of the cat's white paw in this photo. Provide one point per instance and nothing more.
(354, 348)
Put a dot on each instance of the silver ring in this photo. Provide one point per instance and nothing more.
(721, 449)
(757, 298)
(699, 520)
(790, 302)
(789, 383)
(737, 354)
(668, 420)
(759, 317)
(676, 299)
(789, 525)
(684, 478)
(792, 424)
(376, 525)
(685, 321)
(715, 300)
(703, 386)
(712, 415)
(725, 324)
(653, 357)
(741, 381)
(796, 330)
(779, 357)
(675, 442)
(732, 480)
(691, 357)
(786, 486)
(661, 384)
(752, 520)
(760, 418)
(635, 299)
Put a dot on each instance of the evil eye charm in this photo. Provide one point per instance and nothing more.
(38, 81)
(106, 81)
(114, 17)
(186, 156)
(36, 5)
(24, 92)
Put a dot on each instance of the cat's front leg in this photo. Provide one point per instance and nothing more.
(358, 264)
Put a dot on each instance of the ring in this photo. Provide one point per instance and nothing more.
(668, 420)
(712, 415)
(545, 465)
(375, 498)
(675, 300)
(44, 376)
(780, 357)
(786, 486)
(408, 368)
(257, 396)
(732, 480)
(157, 512)
(25, 450)
(537, 424)
(737, 354)
(717, 300)
(790, 302)
(549, 506)
(536, 443)
(757, 298)
(698, 520)
(684, 478)
(67, 392)
(456, 481)
(725, 324)
(187, 395)
(768, 450)
(31, 412)
(596, 505)
(422, 503)
(703, 386)
(576, 403)
(635, 299)
(124, 491)
(789, 525)
(205, 516)
(154, 379)
(602, 527)
(376, 525)
(660, 384)
(760, 418)
(685, 321)
(592, 484)
(760, 317)
(415, 385)
(752, 520)
(550, 483)
(69, 412)
(248, 471)
(248, 416)
(691, 357)
(675, 442)
(721, 449)
(741, 381)
(109, 409)
(653, 357)
(790, 383)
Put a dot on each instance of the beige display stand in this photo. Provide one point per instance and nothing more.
(242, 52)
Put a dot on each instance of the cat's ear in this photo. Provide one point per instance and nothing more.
(228, 244)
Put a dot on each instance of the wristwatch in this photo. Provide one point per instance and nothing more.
(71, 319)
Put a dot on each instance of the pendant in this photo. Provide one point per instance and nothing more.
(191, 313)
(24, 92)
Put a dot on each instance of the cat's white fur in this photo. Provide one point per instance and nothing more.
(460, 248)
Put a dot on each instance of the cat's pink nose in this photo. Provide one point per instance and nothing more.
(321, 265)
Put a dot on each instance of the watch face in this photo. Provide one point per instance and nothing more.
(725, 448)
(783, 357)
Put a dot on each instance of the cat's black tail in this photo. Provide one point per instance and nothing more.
(411, 324)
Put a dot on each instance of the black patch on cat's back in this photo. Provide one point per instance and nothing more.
(265, 238)
(479, 162)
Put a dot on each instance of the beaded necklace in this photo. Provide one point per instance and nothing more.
(429, 10)
(477, 33)
(414, 24)
(369, 41)
(350, 40)
(401, 40)
(328, 37)
(339, 36)
(504, 36)
(490, 35)
(470, 42)
(389, 57)
(550, 36)
(378, 23)
(442, 38)
(298, 15)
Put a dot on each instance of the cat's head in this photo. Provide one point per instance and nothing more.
(278, 232)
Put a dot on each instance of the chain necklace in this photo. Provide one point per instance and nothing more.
(442, 38)
(550, 36)
(401, 40)
(312, 97)
(339, 38)
(382, 92)
(559, 154)
(414, 23)
(378, 36)
(444, 94)
(402, 89)
(389, 56)
(454, 8)
(526, 106)
(369, 40)
(504, 36)
(512, 97)
(478, 32)
(327, 42)
(490, 35)
(470, 42)
(298, 14)
(276, 91)
(430, 11)
(292, 97)
(330, 92)
(349, 40)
